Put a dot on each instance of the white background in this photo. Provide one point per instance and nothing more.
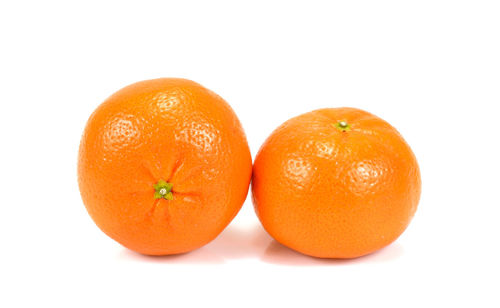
(430, 68)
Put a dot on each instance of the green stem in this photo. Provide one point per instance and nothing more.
(163, 190)
(343, 126)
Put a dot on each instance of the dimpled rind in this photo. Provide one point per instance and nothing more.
(334, 193)
(171, 130)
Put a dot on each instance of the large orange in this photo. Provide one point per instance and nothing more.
(335, 183)
(163, 166)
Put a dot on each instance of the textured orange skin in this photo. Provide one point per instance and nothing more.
(335, 194)
(163, 129)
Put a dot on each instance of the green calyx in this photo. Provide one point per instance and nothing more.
(343, 126)
(163, 190)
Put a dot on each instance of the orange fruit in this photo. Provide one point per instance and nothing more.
(335, 183)
(163, 166)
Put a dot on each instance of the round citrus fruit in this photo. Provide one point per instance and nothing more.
(335, 183)
(163, 166)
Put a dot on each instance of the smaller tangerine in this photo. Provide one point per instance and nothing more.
(335, 183)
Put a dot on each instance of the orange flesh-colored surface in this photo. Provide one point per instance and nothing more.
(335, 193)
(164, 129)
